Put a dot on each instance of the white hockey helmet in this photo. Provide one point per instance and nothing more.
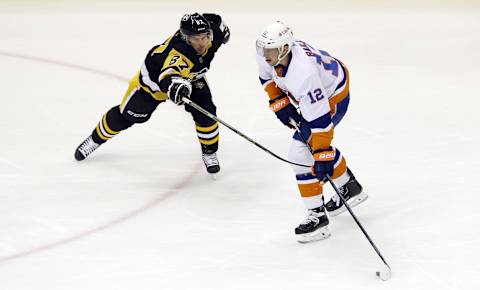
(275, 36)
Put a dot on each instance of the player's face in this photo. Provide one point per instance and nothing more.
(200, 42)
(271, 55)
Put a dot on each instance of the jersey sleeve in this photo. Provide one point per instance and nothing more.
(266, 80)
(315, 110)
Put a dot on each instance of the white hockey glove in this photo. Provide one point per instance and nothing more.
(179, 88)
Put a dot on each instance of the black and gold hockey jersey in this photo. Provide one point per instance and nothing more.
(176, 57)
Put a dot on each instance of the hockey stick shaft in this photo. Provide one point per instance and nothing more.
(215, 118)
(358, 222)
(344, 201)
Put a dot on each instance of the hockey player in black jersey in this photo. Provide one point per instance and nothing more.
(173, 70)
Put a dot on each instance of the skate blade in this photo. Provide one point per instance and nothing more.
(319, 234)
(213, 176)
(353, 202)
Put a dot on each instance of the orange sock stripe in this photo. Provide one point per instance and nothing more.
(340, 169)
(310, 189)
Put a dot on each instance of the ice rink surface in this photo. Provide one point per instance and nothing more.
(141, 212)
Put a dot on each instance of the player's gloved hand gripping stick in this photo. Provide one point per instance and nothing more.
(384, 274)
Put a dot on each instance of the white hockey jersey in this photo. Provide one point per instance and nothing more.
(315, 81)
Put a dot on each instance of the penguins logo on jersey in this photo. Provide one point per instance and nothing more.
(174, 59)
(178, 61)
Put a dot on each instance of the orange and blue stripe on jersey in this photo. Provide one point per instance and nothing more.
(271, 88)
(341, 97)
(318, 132)
(321, 132)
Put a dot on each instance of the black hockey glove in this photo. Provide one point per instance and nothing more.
(216, 20)
(226, 33)
(179, 88)
(324, 163)
(213, 18)
(284, 110)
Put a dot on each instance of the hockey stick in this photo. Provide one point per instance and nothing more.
(384, 275)
(215, 118)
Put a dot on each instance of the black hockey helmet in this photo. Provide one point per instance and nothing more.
(192, 24)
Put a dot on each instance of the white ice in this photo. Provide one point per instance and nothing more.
(141, 212)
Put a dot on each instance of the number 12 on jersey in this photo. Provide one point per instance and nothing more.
(315, 96)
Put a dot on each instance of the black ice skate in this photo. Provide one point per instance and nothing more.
(351, 191)
(85, 148)
(314, 227)
(211, 162)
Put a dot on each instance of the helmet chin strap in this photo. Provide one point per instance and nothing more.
(280, 52)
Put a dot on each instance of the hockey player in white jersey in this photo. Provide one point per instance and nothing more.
(311, 87)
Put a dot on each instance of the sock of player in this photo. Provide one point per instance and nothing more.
(208, 137)
(110, 125)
